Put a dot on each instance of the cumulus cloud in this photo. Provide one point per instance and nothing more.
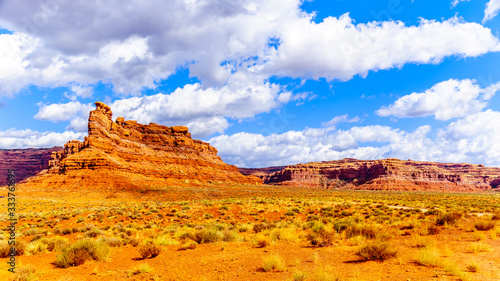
(78, 124)
(84, 41)
(491, 10)
(13, 138)
(472, 139)
(57, 43)
(14, 49)
(62, 112)
(204, 110)
(79, 91)
(445, 100)
(339, 49)
(311, 144)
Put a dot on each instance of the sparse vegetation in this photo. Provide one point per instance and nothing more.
(484, 225)
(139, 269)
(369, 224)
(377, 250)
(429, 256)
(26, 273)
(82, 251)
(478, 247)
(273, 262)
(149, 250)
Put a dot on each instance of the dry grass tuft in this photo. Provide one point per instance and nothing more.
(82, 251)
(273, 262)
(149, 250)
(377, 250)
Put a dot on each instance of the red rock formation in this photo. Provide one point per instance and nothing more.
(261, 172)
(26, 162)
(387, 174)
(126, 154)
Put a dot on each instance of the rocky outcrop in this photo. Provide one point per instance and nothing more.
(26, 162)
(126, 154)
(262, 173)
(387, 174)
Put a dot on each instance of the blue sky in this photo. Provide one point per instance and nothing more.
(265, 82)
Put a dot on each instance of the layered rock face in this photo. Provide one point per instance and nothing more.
(126, 154)
(26, 162)
(387, 174)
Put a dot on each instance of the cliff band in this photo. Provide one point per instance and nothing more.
(25, 162)
(125, 154)
(386, 174)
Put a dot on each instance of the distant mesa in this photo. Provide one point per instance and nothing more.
(386, 174)
(124, 154)
(25, 162)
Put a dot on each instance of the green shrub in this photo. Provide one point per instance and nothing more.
(26, 273)
(368, 231)
(67, 231)
(484, 225)
(142, 268)
(321, 238)
(82, 251)
(93, 233)
(149, 250)
(207, 235)
(36, 247)
(262, 226)
(230, 236)
(111, 241)
(5, 249)
(448, 218)
(188, 245)
(377, 250)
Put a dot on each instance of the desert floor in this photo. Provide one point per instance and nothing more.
(253, 233)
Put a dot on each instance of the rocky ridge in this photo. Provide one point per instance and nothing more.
(125, 154)
(386, 174)
(26, 162)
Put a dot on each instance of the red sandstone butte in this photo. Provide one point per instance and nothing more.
(127, 155)
(386, 174)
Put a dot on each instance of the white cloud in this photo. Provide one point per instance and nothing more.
(491, 10)
(340, 119)
(339, 49)
(445, 100)
(79, 91)
(62, 112)
(78, 124)
(472, 139)
(14, 50)
(60, 44)
(204, 110)
(13, 138)
(88, 42)
(456, 2)
(312, 144)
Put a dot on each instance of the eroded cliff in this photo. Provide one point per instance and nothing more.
(125, 154)
(26, 162)
(386, 174)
